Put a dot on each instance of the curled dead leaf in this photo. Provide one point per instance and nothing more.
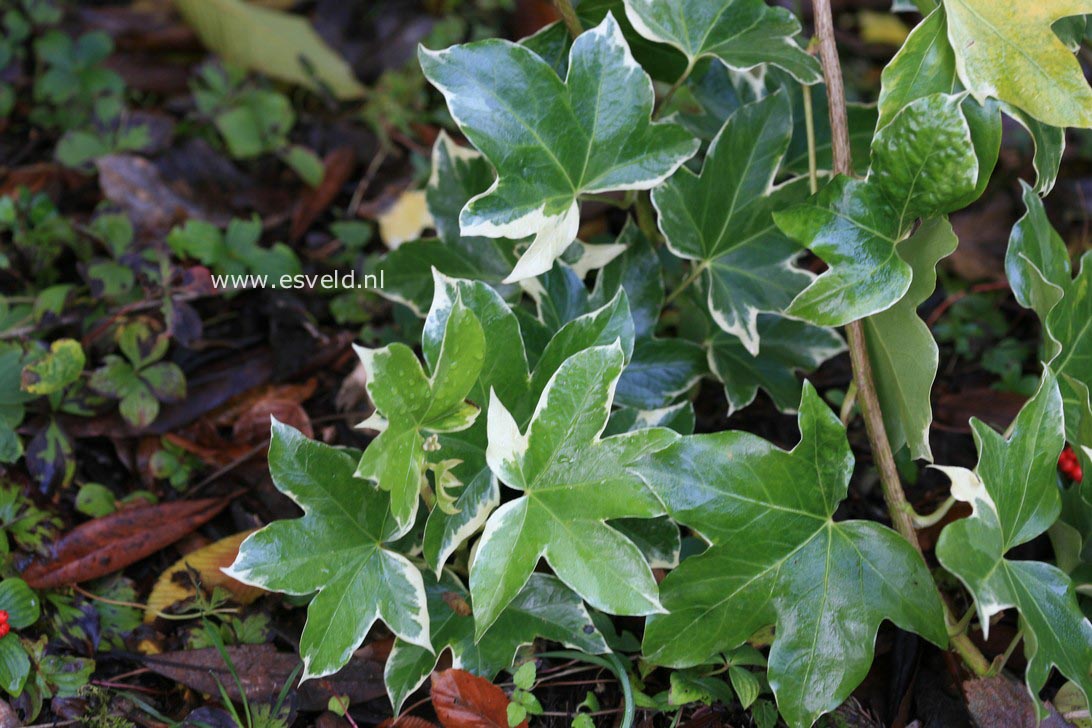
(172, 586)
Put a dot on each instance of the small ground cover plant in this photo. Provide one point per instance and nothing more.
(682, 403)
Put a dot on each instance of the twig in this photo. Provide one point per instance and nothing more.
(867, 397)
(569, 17)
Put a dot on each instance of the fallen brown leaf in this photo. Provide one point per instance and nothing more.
(263, 671)
(338, 165)
(105, 545)
(463, 700)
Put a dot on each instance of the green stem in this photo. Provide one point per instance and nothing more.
(868, 398)
(646, 218)
(695, 272)
(671, 91)
(809, 126)
(569, 17)
(1002, 659)
(846, 413)
(936, 516)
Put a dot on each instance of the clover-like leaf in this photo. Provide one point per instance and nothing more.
(337, 549)
(722, 219)
(741, 33)
(924, 164)
(544, 608)
(553, 140)
(1015, 498)
(409, 403)
(778, 557)
(1009, 51)
(572, 482)
(902, 350)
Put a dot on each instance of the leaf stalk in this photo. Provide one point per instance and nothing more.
(569, 17)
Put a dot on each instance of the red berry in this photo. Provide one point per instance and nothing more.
(4, 629)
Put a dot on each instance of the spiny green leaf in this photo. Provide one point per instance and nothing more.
(1009, 51)
(409, 404)
(901, 348)
(722, 219)
(545, 607)
(337, 549)
(777, 557)
(741, 33)
(572, 482)
(553, 140)
(1014, 494)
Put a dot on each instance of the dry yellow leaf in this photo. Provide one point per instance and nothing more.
(207, 562)
(406, 219)
(882, 28)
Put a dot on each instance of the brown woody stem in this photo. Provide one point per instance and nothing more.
(867, 398)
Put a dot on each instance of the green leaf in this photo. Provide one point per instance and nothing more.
(572, 482)
(469, 319)
(777, 557)
(1049, 146)
(544, 608)
(458, 175)
(306, 164)
(788, 346)
(1036, 261)
(924, 160)
(1014, 494)
(722, 219)
(923, 164)
(741, 33)
(902, 350)
(290, 50)
(658, 538)
(589, 133)
(20, 602)
(14, 665)
(409, 403)
(51, 457)
(600, 327)
(1009, 51)
(1071, 334)
(56, 370)
(850, 225)
(924, 65)
(337, 549)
